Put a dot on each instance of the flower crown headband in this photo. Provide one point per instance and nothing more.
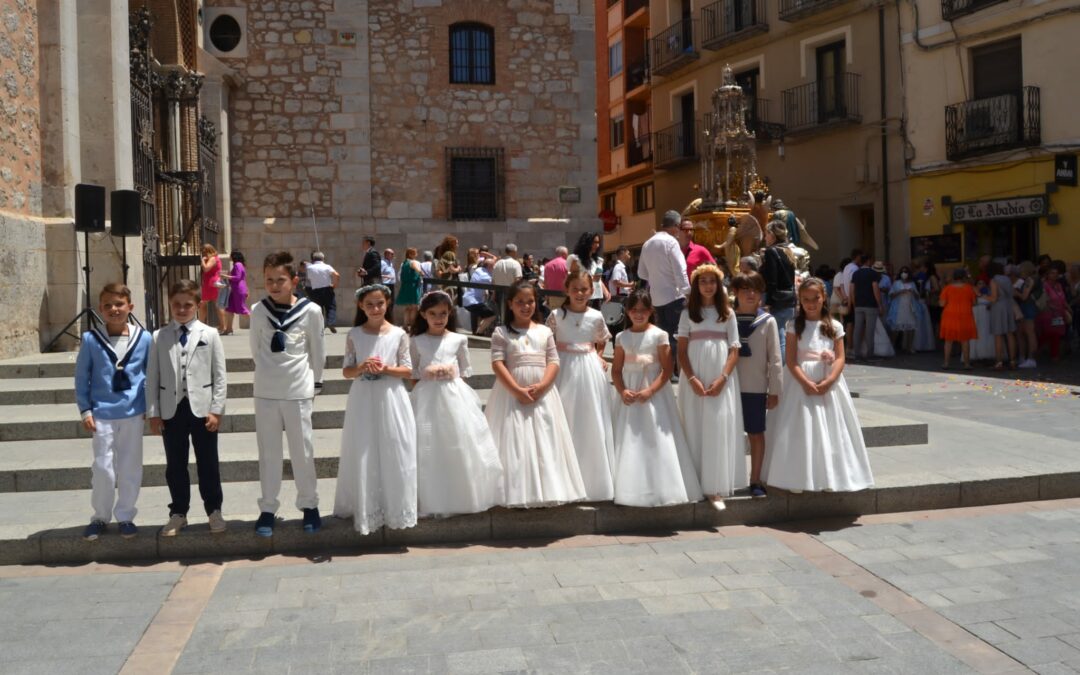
(707, 268)
(437, 292)
(364, 290)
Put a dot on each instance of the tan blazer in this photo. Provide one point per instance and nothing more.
(203, 359)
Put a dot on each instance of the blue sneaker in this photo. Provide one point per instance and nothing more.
(94, 530)
(312, 520)
(128, 529)
(758, 490)
(264, 526)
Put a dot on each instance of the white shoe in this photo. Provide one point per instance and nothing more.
(217, 522)
(718, 504)
(176, 523)
(1027, 363)
(795, 492)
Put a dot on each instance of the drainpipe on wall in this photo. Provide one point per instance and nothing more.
(884, 134)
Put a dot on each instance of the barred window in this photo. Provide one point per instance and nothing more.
(472, 54)
(475, 183)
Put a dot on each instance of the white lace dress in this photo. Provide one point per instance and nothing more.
(586, 397)
(815, 442)
(713, 424)
(539, 463)
(376, 483)
(458, 467)
(653, 466)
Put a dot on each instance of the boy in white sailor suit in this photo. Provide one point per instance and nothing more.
(185, 398)
(110, 372)
(287, 345)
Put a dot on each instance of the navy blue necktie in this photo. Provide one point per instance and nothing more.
(183, 335)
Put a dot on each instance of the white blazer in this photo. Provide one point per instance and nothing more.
(203, 359)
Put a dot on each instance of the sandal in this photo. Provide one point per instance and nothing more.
(999, 366)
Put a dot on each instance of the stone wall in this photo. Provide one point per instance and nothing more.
(356, 129)
(20, 127)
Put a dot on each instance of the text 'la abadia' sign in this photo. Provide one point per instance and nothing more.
(1034, 206)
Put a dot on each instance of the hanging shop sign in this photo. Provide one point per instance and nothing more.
(1065, 170)
(1033, 206)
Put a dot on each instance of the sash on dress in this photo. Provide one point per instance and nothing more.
(537, 359)
(824, 355)
(575, 347)
(440, 372)
(709, 335)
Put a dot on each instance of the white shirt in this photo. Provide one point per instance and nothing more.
(388, 275)
(849, 270)
(319, 274)
(290, 374)
(663, 265)
(506, 272)
(618, 273)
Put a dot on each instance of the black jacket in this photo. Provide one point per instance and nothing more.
(372, 265)
(779, 273)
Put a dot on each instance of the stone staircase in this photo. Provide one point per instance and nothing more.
(45, 476)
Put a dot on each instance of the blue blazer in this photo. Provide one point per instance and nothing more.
(95, 369)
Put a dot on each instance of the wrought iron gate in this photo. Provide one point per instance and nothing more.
(142, 146)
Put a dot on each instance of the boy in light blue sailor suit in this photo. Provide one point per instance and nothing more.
(110, 372)
(286, 340)
(185, 398)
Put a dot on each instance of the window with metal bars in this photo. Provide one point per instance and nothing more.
(475, 183)
(472, 54)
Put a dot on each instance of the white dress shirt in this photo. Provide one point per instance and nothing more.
(663, 265)
(506, 272)
(319, 274)
(618, 273)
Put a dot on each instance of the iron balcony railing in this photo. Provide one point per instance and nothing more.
(728, 21)
(829, 101)
(757, 120)
(991, 124)
(676, 144)
(673, 48)
(793, 10)
(954, 9)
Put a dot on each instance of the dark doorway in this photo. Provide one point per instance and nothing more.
(1017, 240)
(997, 69)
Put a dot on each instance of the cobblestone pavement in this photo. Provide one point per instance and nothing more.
(990, 589)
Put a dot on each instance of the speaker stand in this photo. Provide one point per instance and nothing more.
(88, 310)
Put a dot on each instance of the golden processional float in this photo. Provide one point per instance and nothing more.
(735, 205)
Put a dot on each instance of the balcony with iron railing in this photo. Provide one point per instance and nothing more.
(954, 9)
(993, 124)
(728, 21)
(676, 144)
(757, 120)
(828, 102)
(793, 10)
(674, 48)
(637, 75)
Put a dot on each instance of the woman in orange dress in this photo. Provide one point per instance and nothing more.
(958, 316)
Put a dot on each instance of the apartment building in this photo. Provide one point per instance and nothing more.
(624, 131)
(821, 79)
(992, 132)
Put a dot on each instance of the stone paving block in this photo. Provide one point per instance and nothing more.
(561, 521)
(471, 527)
(962, 595)
(675, 604)
(999, 491)
(918, 497)
(611, 518)
(748, 598)
(516, 636)
(420, 664)
(443, 642)
(610, 608)
(581, 630)
(1036, 626)
(21, 551)
(989, 631)
(551, 658)
(486, 661)
(812, 505)
(1037, 651)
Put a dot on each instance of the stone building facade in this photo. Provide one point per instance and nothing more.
(345, 119)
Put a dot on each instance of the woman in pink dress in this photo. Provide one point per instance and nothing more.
(211, 278)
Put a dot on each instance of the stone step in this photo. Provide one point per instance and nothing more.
(32, 465)
(45, 528)
(60, 390)
(237, 358)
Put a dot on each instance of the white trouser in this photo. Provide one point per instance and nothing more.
(117, 468)
(294, 417)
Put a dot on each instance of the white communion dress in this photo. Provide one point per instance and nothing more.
(540, 466)
(653, 466)
(376, 483)
(458, 467)
(815, 442)
(713, 424)
(586, 397)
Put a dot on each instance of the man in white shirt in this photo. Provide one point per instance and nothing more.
(508, 269)
(619, 284)
(323, 279)
(389, 276)
(663, 265)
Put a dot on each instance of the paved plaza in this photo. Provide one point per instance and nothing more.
(989, 589)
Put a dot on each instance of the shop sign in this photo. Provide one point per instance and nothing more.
(1065, 170)
(569, 195)
(1034, 206)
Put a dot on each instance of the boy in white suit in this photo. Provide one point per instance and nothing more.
(185, 398)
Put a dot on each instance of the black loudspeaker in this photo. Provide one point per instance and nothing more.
(89, 208)
(126, 213)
